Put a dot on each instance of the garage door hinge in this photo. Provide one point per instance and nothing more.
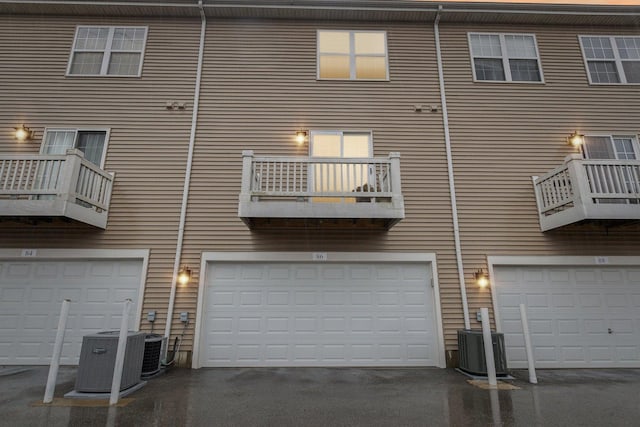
(431, 282)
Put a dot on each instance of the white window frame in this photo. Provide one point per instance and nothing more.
(612, 136)
(342, 133)
(106, 58)
(616, 59)
(106, 131)
(505, 58)
(352, 55)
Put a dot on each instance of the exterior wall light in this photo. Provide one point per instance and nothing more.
(302, 136)
(575, 139)
(184, 276)
(23, 133)
(481, 278)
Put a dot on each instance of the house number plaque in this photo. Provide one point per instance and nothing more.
(320, 256)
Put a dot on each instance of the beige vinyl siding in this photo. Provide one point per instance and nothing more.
(259, 86)
(148, 144)
(503, 133)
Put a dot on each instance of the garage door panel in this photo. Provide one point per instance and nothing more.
(311, 315)
(591, 319)
(31, 295)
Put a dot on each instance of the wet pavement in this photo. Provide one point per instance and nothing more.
(333, 397)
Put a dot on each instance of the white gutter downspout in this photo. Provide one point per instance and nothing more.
(187, 174)
(452, 185)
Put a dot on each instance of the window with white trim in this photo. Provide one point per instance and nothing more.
(352, 55)
(107, 51)
(505, 57)
(92, 143)
(611, 147)
(611, 59)
(621, 176)
(341, 177)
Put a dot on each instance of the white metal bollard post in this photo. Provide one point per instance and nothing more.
(122, 345)
(533, 379)
(488, 347)
(57, 352)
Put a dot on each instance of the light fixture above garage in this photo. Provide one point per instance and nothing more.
(575, 139)
(302, 136)
(481, 278)
(184, 276)
(23, 133)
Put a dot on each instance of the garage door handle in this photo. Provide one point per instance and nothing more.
(610, 330)
(99, 350)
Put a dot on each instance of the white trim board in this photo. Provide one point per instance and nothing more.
(551, 260)
(38, 254)
(331, 257)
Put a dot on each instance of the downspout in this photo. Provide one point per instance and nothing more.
(187, 174)
(452, 185)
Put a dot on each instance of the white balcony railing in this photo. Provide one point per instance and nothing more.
(585, 189)
(321, 188)
(55, 186)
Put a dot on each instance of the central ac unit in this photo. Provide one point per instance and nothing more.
(471, 352)
(153, 346)
(98, 359)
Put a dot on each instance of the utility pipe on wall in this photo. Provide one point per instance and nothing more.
(187, 174)
(452, 185)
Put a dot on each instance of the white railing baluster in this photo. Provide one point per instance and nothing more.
(615, 179)
(21, 178)
(636, 179)
(288, 178)
(13, 178)
(295, 176)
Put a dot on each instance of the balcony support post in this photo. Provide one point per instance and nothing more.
(396, 182)
(70, 176)
(579, 182)
(247, 175)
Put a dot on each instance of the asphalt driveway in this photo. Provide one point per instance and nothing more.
(331, 397)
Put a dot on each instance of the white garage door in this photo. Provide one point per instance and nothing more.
(31, 295)
(270, 314)
(578, 316)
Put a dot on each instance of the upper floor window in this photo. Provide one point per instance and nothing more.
(352, 55)
(107, 51)
(505, 57)
(612, 59)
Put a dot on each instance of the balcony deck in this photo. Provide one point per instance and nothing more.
(585, 190)
(54, 186)
(302, 192)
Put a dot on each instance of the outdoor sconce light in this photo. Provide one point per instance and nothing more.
(481, 278)
(23, 133)
(184, 276)
(575, 139)
(302, 136)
